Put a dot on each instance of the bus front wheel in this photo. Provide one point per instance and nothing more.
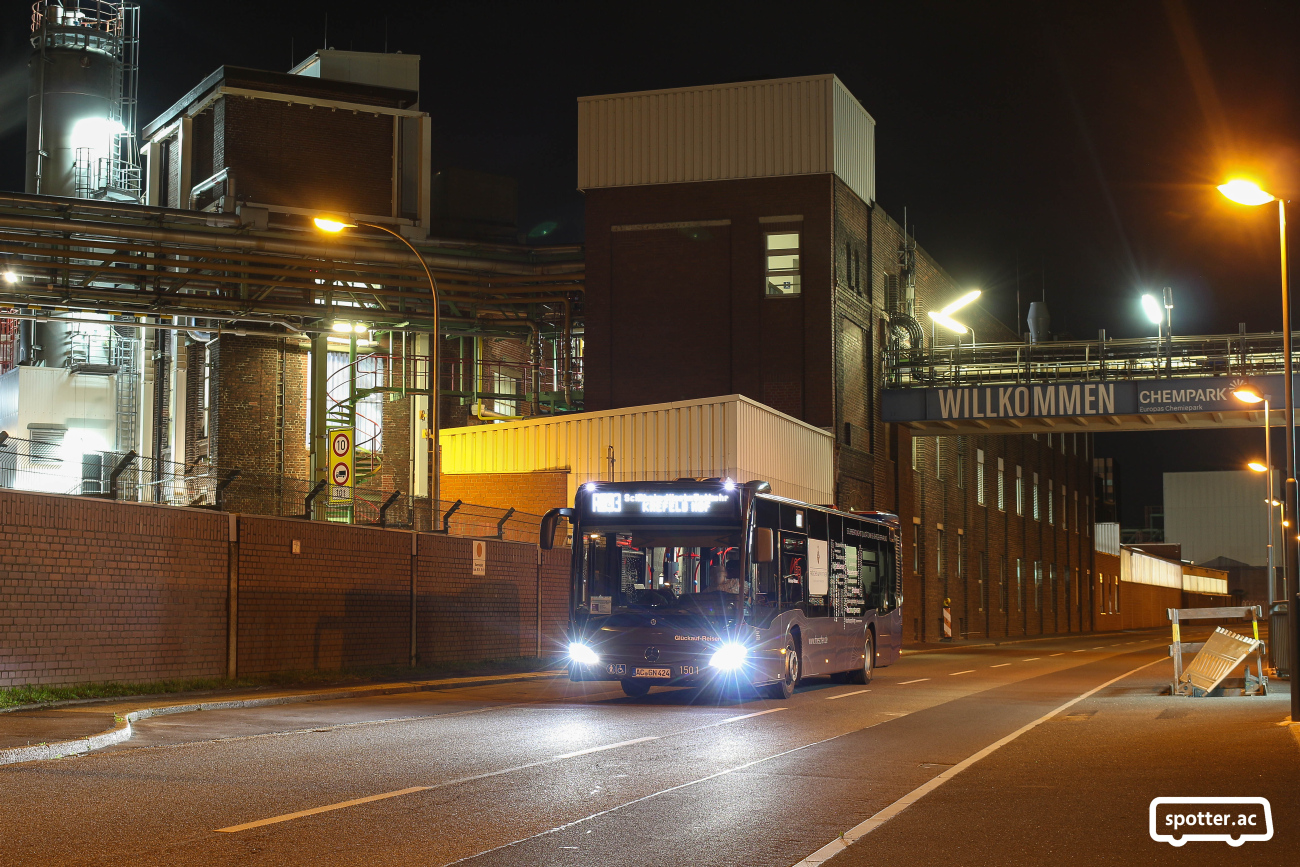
(636, 688)
(784, 688)
(863, 674)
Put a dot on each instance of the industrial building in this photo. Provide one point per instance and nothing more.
(185, 322)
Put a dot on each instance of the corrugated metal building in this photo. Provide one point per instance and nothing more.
(1219, 514)
(727, 437)
(750, 129)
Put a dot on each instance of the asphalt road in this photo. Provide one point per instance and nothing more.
(555, 773)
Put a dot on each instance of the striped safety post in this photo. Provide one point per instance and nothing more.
(947, 619)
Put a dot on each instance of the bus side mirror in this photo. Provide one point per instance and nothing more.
(761, 548)
(549, 520)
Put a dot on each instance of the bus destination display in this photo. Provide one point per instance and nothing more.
(659, 503)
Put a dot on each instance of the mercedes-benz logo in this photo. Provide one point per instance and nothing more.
(651, 654)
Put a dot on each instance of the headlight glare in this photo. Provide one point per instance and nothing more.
(582, 654)
(729, 656)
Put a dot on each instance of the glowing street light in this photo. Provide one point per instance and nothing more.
(944, 316)
(1246, 192)
(1259, 468)
(1151, 307)
(335, 223)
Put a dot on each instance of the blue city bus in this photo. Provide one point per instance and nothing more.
(708, 582)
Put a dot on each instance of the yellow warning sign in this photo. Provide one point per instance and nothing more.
(340, 464)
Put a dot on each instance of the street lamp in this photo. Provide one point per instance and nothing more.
(1247, 394)
(1162, 317)
(1247, 193)
(944, 317)
(334, 224)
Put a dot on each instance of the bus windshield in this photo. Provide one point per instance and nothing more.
(620, 571)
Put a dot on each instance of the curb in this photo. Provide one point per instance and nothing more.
(909, 652)
(122, 732)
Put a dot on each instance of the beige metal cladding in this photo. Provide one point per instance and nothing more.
(727, 437)
(1220, 514)
(753, 129)
(1136, 567)
(1107, 538)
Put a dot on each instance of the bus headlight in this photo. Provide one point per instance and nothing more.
(729, 656)
(582, 654)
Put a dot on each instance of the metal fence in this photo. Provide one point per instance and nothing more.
(48, 463)
(1084, 360)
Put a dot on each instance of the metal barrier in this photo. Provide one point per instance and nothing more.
(1279, 638)
(1215, 659)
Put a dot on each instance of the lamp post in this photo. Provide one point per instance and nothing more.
(1246, 193)
(336, 224)
(1249, 395)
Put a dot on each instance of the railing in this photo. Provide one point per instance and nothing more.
(54, 465)
(1084, 361)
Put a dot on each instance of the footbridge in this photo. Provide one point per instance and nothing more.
(1099, 385)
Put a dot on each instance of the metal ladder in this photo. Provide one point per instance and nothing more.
(124, 353)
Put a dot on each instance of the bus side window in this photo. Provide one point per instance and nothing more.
(869, 569)
(794, 568)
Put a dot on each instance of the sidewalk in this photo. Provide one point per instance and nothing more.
(80, 726)
(910, 647)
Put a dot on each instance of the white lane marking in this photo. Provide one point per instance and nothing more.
(314, 810)
(1031, 659)
(590, 750)
(1100, 647)
(967, 671)
(327, 808)
(835, 847)
(1003, 665)
(918, 680)
(846, 694)
(1082, 650)
(1058, 654)
(757, 713)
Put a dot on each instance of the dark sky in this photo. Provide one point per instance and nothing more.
(1074, 144)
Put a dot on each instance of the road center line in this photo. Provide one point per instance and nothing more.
(1081, 650)
(314, 810)
(967, 671)
(1002, 665)
(846, 694)
(1031, 659)
(856, 833)
(590, 750)
(918, 680)
(1062, 653)
(758, 713)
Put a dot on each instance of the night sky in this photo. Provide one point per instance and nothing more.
(1065, 148)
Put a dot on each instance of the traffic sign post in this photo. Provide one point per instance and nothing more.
(340, 465)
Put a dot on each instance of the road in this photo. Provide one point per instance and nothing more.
(556, 773)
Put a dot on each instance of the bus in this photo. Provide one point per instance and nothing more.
(700, 582)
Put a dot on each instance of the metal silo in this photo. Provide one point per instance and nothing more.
(81, 100)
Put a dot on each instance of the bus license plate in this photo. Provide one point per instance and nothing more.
(654, 672)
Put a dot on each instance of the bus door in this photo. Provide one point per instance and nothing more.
(877, 569)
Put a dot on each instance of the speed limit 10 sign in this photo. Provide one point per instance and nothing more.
(340, 464)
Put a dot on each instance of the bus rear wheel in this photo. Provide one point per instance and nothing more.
(636, 688)
(863, 674)
(784, 688)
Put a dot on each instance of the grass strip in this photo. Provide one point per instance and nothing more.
(28, 694)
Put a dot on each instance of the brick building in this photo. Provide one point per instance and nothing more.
(734, 245)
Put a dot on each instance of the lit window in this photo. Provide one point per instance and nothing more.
(783, 263)
(1020, 492)
(1051, 504)
(1034, 492)
(979, 476)
(1002, 496)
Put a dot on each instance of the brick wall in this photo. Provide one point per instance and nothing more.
(343, 601)
(94, 591)
(309, 157)
(533, 493)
